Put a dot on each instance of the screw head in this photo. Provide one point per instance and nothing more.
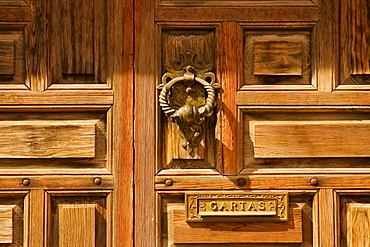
(97, 181)
(241, 181)
(26, 181)
(168, 182)
(314, 181)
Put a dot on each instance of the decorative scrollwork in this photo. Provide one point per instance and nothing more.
(190, 114)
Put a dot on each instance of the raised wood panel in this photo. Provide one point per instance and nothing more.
(302, 139)
(76, 219)
(355, 218)
(12, 61)
(183, 232)
(6, 224)
(54, 140)
(354, 42)
(358, 224)
(79, 41)
(76, 225)
(277, 58)
(177, 232)
(181, 48)
(305, 138)
(47, 139)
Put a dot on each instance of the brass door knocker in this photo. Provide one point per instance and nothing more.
(189, 114)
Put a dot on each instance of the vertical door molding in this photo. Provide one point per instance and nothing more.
(328, 211)
(230, 40)
(146, 79)
(123, 122)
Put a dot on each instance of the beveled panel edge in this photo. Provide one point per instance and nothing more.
(285, 98)
(79, 193)
(79, 87)
(48, 139)
(188, 172)
(186, 3)
(251, 87)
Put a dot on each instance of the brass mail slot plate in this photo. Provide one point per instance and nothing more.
(236, 207)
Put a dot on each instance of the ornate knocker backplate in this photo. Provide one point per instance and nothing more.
(192, 101)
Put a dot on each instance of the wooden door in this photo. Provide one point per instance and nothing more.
(291, 117)
(66, 142)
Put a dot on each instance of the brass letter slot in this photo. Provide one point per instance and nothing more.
(236, 207)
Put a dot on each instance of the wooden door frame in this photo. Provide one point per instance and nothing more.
(146, 216)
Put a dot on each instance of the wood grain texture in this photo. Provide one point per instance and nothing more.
(302, 139)
(70, 97)
(230, 39)
(327, 211)
(324, 47)
(147, 75)
(283, 232)
(14, 11)
(7, 57)
(36, 227)
(277, 58)
(77, 225)
(37, 53)
(236, 3)
(77, 36)
(41, 139)
(6, 224)
(227, 14)
(123, 124)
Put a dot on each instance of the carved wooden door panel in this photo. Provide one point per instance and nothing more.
(284, 159)
(60, 62)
